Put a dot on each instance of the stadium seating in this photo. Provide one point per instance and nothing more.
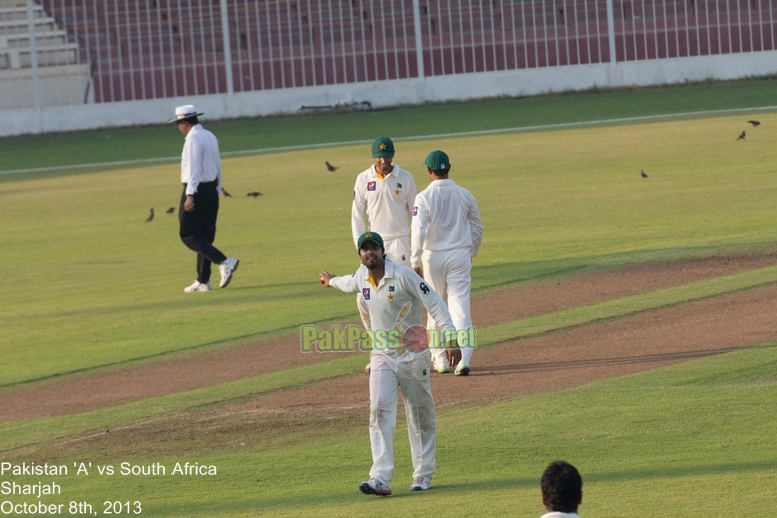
(63, 77)
(142, 49)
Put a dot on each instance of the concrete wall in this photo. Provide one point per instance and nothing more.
(388, 93)
(59, 86)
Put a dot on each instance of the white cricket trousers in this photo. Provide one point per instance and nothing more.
(410, 373)
(398, 252)
(448, 273)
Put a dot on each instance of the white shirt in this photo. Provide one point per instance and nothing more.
(399, 287)
(557, 514)
(445, 217)
(200, 160)
(386, 202)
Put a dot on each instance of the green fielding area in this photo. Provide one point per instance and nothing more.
(90, 285)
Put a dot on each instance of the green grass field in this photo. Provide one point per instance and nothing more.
(93, 286)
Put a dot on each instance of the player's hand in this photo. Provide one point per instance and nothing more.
(325, 277)
(188, 205)
(419, 271)
(453, 356)
(452, 353)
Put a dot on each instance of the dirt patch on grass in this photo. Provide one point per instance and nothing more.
(592, 352)
(543, 363)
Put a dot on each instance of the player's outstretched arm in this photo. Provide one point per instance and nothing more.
(325, 277)
(345, 284)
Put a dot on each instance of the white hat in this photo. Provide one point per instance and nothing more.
(184, 112)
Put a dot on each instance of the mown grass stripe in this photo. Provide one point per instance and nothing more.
(304, 147)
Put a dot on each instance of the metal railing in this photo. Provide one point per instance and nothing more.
(123, 50)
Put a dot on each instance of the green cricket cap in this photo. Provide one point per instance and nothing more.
(382, 147)
(370, 236)
(438, 161)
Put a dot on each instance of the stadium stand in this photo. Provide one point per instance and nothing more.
(64, 80)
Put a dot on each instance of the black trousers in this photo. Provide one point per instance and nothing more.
(198, 228)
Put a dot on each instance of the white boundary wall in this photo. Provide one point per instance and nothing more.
(392, 93)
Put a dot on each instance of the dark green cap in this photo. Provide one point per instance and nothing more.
(370, 236)
(438, 161)
(382, 147)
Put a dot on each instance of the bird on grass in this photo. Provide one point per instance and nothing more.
(254, 194)
(755, 123)
(150, 216)
(331, 168)
(225, 193)
(644, 175)
(741, 136)
(170, 210)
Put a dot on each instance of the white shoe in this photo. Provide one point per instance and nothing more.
(227, 268)
(375, 487)
(198, 286)
(462, 370)
(441, 367)
(420, 484)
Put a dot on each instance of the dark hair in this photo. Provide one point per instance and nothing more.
(191, 120)
(562, 487)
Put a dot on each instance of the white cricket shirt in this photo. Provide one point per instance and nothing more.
(200, 160)
(445, 217)
(388, 303)
(387, 202)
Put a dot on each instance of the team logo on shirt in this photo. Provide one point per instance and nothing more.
(391, 288)
(371, 185)
(366, 293)
(415, 211)
(399, 185)
(424, 288)
(391, 297)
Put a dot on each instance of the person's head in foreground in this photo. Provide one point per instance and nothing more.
(562, 488)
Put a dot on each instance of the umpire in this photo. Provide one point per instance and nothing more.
(201, 178)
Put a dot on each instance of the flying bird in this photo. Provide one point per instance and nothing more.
(755, 123)
(643, 173)
(331, 168)
(226, 194)
(170, 210)
(254, 194)
(742, 136)
(150, 216)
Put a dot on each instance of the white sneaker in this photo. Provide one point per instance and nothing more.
(441, 367)
(198, 286)
(375, 487)
(421, 484)
(462, 370)
(227, 268)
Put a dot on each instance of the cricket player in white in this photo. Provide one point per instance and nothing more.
(395, 295)
(383, 200)
(447, 232)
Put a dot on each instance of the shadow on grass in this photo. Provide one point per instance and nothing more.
(602, 362)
